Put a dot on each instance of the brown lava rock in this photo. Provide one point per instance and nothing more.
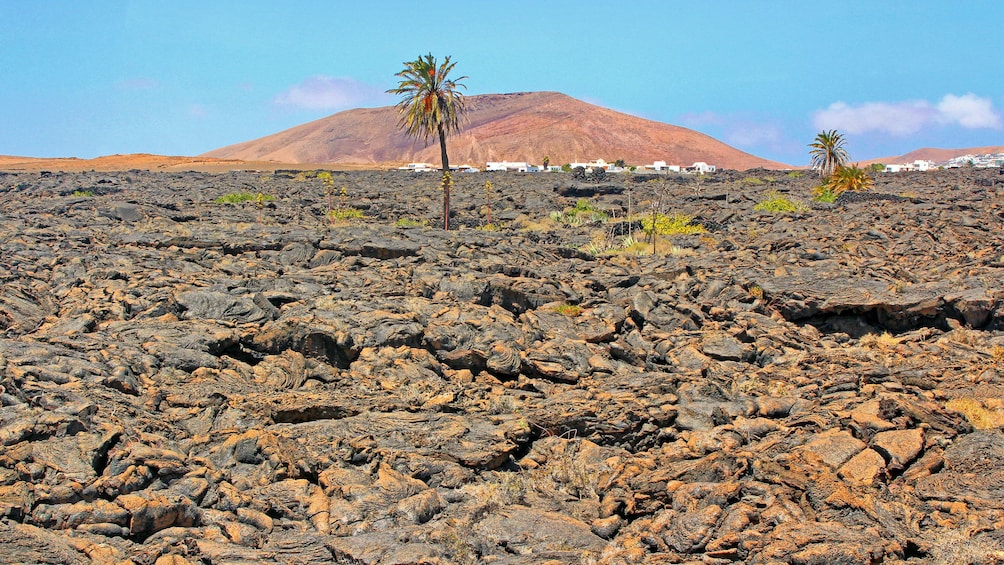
(181, 382)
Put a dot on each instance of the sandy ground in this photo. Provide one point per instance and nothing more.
(150, 162)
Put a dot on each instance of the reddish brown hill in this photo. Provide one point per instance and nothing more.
(937, 155)
(143, 161)
(514, 127)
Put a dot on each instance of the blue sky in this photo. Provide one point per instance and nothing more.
(90, 78)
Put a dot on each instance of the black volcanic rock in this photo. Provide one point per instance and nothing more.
(188, 382)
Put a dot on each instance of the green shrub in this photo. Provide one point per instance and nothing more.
(241, 197)
(794, 174)
(339, 214)
(82, 193)
(570, 310)
(824, 193)
(583, 213)
(410, 223)
(774, 201)
(671, 224)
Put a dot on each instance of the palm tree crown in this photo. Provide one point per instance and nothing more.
(430, 103)
(828, 152)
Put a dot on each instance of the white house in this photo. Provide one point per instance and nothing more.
(418, 167)
(662, 166)
(701, 167)
(592, 165)
(918, 165)
(520, 166)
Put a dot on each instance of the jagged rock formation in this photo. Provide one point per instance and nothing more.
(182, 383)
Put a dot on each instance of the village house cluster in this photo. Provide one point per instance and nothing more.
(985, 160)
(699, 167)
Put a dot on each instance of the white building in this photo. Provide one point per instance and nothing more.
(519, 166)
(592, 165)
(418, 167)
(918, 165)
(701, 167)
(662, 166)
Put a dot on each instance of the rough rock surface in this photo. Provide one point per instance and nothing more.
(188, 382)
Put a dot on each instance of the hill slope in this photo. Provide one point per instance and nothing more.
(936, 155)
(515, 127)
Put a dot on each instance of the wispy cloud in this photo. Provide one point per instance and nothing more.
(969, 111)
(750, 134)
(746, 131)
(322, 92)
(910, 116)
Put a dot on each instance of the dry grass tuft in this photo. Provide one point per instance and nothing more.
(997, 354)
(570, 310)
(507, 488)
(965, 336)
(959, 548)
(884, 341)
(982, 414)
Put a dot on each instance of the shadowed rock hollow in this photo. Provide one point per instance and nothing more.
(189, 382)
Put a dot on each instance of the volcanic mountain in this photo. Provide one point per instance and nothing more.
(523, 126)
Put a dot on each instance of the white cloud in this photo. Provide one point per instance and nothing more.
(752, 135)
(755, 133)
(969, 111)
(910, 116)
(322, 92)
(899, 118)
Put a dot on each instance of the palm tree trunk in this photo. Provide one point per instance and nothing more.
(446, 184)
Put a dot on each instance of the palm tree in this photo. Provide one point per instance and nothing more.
(828, 152)
(431, 105)
(849, 178)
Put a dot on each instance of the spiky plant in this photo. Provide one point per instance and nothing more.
(849, 178)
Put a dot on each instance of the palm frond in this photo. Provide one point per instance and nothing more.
(430, 100)
(827, 152)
